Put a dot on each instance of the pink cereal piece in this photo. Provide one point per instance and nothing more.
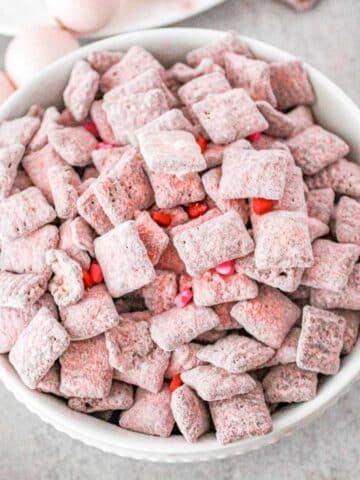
(252, 75)
(90, 209)
(211, 182)
(347, 221)
(50, 383)
(128, 343)
(153, 237)
(212, 288)
(315, 148)
(123, 259)
(147, 372)
(183, 297)
(301, 5)
(289, 384)
(293, 198)
(131, 112)
(18, 131)
(348, 298)
(352, 323)
(103, 126)
(321, 341)
(177, 326)
(106, 158)
(249, 173)
(182, 73)
(236, 354)
(24, 213)
(317, 228)
(241, 417)
(287, 280)
(290, 84)
(268, 317)
(171, 120)
(216, 51)
(302, 118)
(201, 87)
(342, 176)
(119, 398)
(172, 152)
(151, 413)
(63, 191)
(265, 142)
(67, 242)
(190, 413)
(182, 359)
(93, 314)
(83, 235)
(37, 164)
(50, 121)
(81, 90)
(67, 285)
(280, 125)
(320, 204)
(210, 337)
(214, 155)
(227, 322)
(10, 158)
(19, 290)
(102, 61)
(27, 254)
(282, 241)
(135, 61)
(38, 346)
(73, 144)
(160, 294)
(217, 240)
(142, 83)
(12, 323)
(213, 383)
(333, 264)
(170, 260)
(228, 116)
(287, 352)
(171, 191)
(85, 369)
(21, 182)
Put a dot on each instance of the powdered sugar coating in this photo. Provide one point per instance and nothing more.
(236, 354)
(85, 369)
(301, 117)
(347, 221)
(18, 131)
(37, 347)
(352, 323)
(19, 290)
(178, 326)
(119, 398)
(151, 413)
(269, 317)
(10, 158)
(159, 295)
(153, 237)
(67, 242)
(320, 204)
(50, 382)
(73, 144)
(183, 358)
(229, 116)
(102, 61)
(12, 323)
(287, 351)
(182, 73)
(90, 209)
(321, 341)
(190, 413)
(93, 314)
(241, 417)
(215, 241)
(63, 191)
(213, 383)
(288, 384)
(280, 125)
(333, 264)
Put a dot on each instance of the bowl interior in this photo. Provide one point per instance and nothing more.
(333, 109)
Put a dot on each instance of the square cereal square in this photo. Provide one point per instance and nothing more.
(152, 235)
(320, 203)
(73, 144)
(347, 221)
(202, 86)
(159, 295)
(10, 158)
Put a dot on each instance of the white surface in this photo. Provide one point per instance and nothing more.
(130, 15)
(333, 110)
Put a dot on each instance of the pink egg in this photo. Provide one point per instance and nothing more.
(81, 15)
(6, 88)
(34, 48)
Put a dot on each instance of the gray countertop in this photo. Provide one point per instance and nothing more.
(329, 449)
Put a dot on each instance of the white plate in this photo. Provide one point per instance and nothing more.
(130, 14)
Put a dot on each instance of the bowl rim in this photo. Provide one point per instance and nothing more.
(110, 438)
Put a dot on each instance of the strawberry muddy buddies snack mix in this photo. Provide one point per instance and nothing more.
(175, 236)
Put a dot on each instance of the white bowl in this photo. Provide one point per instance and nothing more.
(333, 109)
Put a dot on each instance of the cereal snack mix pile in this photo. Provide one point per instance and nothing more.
(179, 247)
